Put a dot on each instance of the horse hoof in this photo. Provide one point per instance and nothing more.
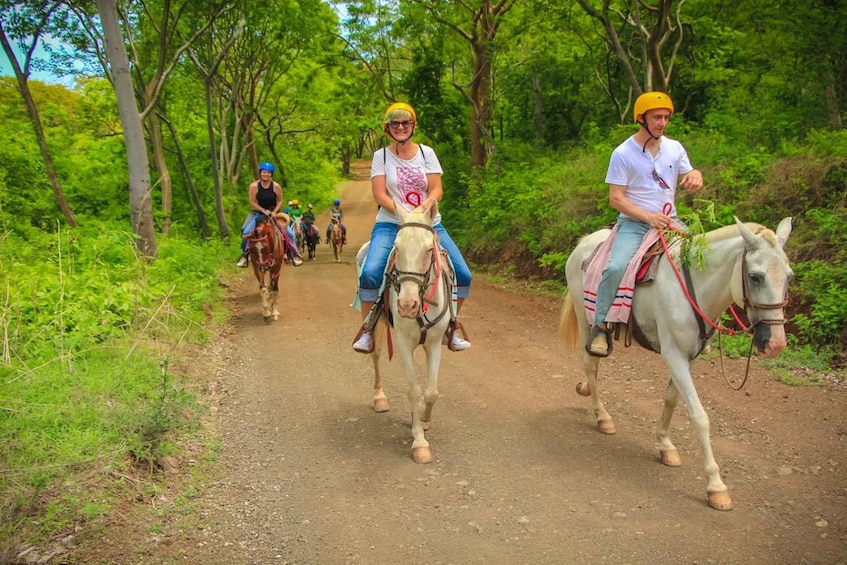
(671, 458)
(583, 389)
(381, 405)
(422, 455)
(268, 319)
(720, 500)
(606, 427)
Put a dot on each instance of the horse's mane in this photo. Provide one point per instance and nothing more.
(731, 231)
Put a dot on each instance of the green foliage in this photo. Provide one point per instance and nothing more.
(90, 330)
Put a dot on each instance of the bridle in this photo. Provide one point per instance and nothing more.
(269, 262)
(687, 286)
(430, 278)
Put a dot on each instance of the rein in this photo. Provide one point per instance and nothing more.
(721, 329)
(271, 243)
(422, 279)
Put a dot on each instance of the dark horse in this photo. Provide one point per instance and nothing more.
(267, 253)
(312, 237)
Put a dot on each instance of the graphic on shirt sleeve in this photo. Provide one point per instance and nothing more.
(411, 182)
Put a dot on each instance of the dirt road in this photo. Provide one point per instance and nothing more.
(311, 475)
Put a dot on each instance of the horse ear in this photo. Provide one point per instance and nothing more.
(749, 237)
(433, 209)
(400, 212)
(783, 231)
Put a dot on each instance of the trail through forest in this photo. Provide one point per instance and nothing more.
(310, 474)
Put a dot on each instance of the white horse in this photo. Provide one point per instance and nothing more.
(419, 301)
(746, 265)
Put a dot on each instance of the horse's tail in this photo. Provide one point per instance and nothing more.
(569, 324)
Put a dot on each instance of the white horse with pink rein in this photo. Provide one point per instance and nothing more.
(745, 265)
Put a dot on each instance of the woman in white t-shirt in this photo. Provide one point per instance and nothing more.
(408, 174)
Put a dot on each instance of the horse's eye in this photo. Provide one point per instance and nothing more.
(755, 278)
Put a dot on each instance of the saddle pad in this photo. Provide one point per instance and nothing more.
(622, 304)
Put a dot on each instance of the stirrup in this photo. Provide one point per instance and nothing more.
(362, 331)
(451, 330)
(592, 337)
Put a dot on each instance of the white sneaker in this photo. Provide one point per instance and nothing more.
(459, 344)
(242, 261)
(364, 344)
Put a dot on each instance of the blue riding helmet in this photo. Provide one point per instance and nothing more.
(337, 203)
(267, 167)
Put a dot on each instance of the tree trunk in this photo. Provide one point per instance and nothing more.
(480, 94)
(223, 228)
(833, 108)
(536, 89)
(35, 118)
(164, 172)
(190, 188)
(140, 205)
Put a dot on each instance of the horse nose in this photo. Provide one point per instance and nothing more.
(408, 306)
(770, 341)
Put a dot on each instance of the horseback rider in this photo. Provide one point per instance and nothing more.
(335, 214)
(404, 174)
(643, 176)
(308, 218)
(266, 198)
(296, 211)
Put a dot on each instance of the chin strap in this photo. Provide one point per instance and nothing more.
(650, 133)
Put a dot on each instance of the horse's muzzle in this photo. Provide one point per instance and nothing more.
(408, 306)
(769, 339)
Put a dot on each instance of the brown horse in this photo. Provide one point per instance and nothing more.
(267, 253)
(336, 237)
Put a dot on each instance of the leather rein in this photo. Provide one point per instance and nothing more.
(430, 278)
(270, 242)
(688, 289)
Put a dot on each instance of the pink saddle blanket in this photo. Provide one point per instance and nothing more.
(622, 304)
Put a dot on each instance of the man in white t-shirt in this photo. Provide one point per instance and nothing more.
(643, 176)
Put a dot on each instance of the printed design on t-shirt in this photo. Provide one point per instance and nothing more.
(411, 182)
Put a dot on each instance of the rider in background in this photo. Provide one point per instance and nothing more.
(265, 198)
(296, 211)
(643, 176)
(404, 174)
(335, 214)
(308, 220)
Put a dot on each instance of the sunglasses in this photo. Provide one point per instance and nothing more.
(658, 178)
(403, 124)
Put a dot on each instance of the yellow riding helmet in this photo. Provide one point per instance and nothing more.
(397, 108)
(295, 202)
(651, 101)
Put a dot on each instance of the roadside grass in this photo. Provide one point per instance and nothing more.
(92, 386)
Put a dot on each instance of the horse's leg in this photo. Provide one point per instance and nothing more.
(380, 400)
(433, 361)
(273, 297)
(266, 310)
(591, 365)
(420, 447)
(716, 490)
(670, 456)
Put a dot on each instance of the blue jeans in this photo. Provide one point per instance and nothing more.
(627, 241)
(382, 241)
(250, 225)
